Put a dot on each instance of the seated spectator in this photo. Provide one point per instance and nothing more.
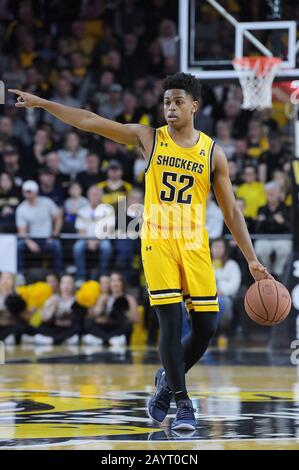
(48, 186)
(14, 75)
(7, 321)
(40, 218)
(113, 106)
(273, 159)
(131, 111)
(127, 241)
(53, 164)
(228, 280)
(92, 174)
(114, 187)
(41, 145)
(7, 133)
(234, 174)
(224, 138)
(21, 315)
(21, 130)
(167, 38)
(11, 164)
(249, 221)
(284, 182)
(28, 51)
(59, 323)
(72, 157)
(155, 59)
(112, 317)
(63, 95)
(214, 218)
(252, 192)
(74, 203)
(53, 282)
(273, 218)
(114, 63)
(10, 198)
(240, 154)
(257, 141)
(87, 225)
(134, 60)
(114, 151)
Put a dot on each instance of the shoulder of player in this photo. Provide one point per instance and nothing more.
(145, 134)
(219, 159)
(146, 137)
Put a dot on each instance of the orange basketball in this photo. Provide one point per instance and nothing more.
(267, 302)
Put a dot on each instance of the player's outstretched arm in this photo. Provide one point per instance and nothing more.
(128, 134)
(233, 217)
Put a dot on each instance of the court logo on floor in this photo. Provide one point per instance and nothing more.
(49, 417)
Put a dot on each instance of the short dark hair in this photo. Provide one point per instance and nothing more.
(183, 81)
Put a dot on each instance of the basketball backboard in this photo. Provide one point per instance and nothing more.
(211, 37)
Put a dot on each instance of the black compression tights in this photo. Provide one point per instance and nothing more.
(179, 356)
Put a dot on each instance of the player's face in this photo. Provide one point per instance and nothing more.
(179, 107)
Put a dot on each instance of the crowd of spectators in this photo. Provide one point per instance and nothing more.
(111, 57)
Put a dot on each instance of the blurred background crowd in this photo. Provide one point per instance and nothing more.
(110, 56)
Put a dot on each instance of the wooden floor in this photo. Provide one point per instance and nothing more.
(89, 398)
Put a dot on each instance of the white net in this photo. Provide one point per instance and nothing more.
(256, 75)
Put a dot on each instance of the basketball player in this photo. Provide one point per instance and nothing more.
(181, 163)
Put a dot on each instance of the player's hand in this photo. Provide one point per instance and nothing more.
(26, 100)
(258, 271)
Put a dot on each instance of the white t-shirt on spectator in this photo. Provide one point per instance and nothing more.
(38, 219)
(228, 278)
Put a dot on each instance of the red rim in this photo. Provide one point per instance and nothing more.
(257, 63)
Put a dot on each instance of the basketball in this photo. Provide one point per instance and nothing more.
(267, 302)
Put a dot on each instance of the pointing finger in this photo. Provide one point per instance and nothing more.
(14, 90)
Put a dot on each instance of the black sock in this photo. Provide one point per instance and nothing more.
(203, 328)
(170, 346)
(183, 395)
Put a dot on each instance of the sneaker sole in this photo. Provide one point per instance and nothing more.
(184, 426)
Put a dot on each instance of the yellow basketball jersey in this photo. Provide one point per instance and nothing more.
(177, 182)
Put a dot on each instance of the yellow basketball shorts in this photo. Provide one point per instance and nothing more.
(174, 273)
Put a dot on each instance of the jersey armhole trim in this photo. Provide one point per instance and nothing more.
(152, 152)
(211, 162)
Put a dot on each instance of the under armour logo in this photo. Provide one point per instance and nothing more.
(147, 248)
(163, 145)
(202, 153)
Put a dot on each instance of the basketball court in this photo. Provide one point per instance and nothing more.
(90, 398)
(95, 398)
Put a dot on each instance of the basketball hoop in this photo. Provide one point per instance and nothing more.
(256, 75)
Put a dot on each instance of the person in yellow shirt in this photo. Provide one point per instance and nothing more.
(252, 192)
(114, 187)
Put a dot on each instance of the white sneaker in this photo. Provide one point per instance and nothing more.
(92, 340)
(27, 339)
(118, 340)
(10, 340)
(41, 339)
(72, 340)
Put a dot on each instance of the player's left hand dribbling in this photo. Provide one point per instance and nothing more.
(258, 271)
